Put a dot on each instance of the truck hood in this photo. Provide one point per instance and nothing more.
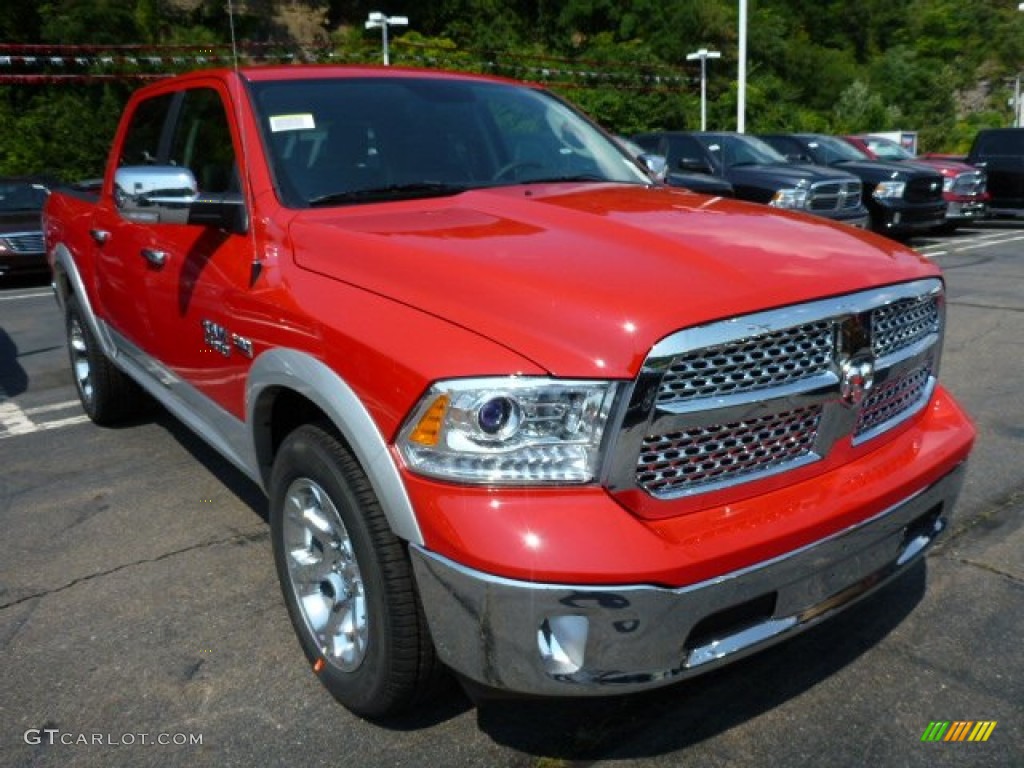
(881, 170)
(583, 279)
(778, 175)
(945, 167)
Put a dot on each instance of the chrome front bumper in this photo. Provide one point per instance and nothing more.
(567, 640)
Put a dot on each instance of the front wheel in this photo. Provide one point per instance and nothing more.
(108, 396)
(346, 578)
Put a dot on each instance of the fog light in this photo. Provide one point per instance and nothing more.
(562, 642)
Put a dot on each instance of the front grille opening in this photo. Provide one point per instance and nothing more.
(731, 620)
(679, 461)
(903, 323)
(892, 401)
(772, 360)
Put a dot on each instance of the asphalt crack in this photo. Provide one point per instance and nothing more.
(990, 569)
(239, 538)
(995, 307)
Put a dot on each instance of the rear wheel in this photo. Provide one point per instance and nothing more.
(346, 578)
(108, 396)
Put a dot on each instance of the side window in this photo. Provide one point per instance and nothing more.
(141, 144)
(684, 148)
(202, 142)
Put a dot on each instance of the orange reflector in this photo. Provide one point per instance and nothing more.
(428, 429)
(318, 665)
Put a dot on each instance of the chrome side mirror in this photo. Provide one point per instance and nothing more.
(155, 194)
(168, 194)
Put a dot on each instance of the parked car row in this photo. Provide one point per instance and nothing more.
(861, 180)
(818, 174)
(963, 185)
(758, 173)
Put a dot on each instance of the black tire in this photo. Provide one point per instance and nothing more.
(107, 395)
(346, 579)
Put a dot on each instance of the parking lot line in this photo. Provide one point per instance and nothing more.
(15, 422)
(19, 296)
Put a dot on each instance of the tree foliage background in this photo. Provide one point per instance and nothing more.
(941, 67)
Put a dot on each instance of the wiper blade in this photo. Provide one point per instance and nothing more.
(558, 179)
(390, 192)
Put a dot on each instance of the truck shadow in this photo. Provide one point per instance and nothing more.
(685, 714)
(232, 478)
(13, 378)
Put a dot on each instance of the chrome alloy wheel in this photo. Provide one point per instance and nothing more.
(324, 574)
(80, 359)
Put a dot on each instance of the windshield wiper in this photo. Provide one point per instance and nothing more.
(557, 179)
(390, 192)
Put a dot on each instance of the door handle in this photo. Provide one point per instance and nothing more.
(154, 257)
(99, 235)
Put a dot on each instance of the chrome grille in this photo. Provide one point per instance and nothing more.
(892, 400)
(704, 455)
(834, 196)
(24, 242)
(772, 360)
(970, 183)
(741, 399)
(902, 324)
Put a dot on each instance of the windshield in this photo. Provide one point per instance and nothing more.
(888, 150)
(21, 196)
(829, 150)
(350, 140)
(731, 150)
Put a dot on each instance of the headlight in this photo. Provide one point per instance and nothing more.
(889, 189)
(947, 183)
(509, 431)
(790, 197)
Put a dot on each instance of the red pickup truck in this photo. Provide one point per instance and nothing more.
(519, 411)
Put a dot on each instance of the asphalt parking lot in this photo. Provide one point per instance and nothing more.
(141, 623)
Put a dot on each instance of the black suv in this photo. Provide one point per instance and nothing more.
(1000, 151)
(759, 173)
(901, 197)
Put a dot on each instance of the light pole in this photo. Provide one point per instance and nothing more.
(703, 54)
(378, 19)
(1017, 112)
(741, 77)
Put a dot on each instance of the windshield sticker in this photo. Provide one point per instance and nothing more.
(303, 122)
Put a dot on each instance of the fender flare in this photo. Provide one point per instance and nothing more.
(312, 379)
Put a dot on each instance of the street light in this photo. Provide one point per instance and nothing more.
(703, 54)
(378, 19)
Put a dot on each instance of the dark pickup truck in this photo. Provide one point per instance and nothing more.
(1000, 153)
(901, 197)
(759, 174)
